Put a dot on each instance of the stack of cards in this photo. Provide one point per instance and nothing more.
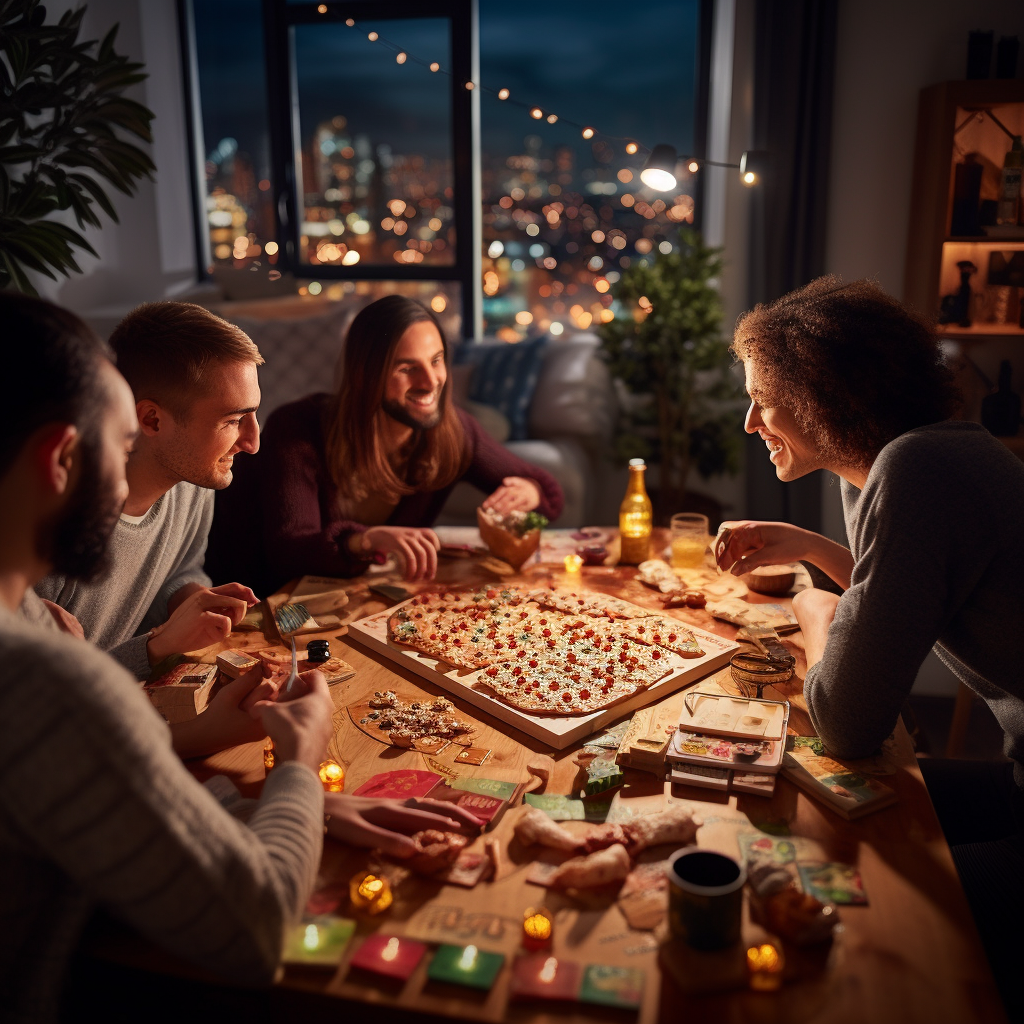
(729, 743)
(645, 743)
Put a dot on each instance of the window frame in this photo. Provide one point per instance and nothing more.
(279, 21)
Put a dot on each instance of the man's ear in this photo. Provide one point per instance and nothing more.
(57, 456)
(152, 417)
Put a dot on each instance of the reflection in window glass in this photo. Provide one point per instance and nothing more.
(376, 151)
(236, 140)
(563, 215)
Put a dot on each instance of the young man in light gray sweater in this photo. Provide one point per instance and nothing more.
(843, 378)
(193, 376)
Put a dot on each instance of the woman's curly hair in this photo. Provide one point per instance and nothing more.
(854, 366)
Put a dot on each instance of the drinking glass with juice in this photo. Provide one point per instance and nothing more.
(689, 540)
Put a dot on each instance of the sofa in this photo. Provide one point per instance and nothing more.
(551, 401)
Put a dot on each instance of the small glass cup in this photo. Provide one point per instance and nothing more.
(690, 538)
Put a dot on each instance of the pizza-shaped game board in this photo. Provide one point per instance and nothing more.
(553, 663)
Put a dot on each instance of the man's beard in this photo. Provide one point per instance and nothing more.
(76, 540)
(397, 411)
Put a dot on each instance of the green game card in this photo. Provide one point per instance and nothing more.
(485, 787)
(318, 940)
(465, 965)
(612, 986)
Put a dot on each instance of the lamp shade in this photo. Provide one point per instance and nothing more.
(753, 165)
(659, 172)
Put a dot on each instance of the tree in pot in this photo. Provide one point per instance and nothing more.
(679, 403)
(61, 110)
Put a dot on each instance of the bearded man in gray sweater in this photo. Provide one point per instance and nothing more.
(193, 376)
(841, 377)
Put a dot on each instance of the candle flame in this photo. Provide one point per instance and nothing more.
(573, 563)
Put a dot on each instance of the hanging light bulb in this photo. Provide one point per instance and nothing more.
(693, 167)
(503, 94)
(536, 113)
(588, 133)
(659, 171)
(631, 148)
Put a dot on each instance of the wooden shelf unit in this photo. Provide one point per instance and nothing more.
(932, 251)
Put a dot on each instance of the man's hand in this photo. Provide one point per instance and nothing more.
(516, 494)
(65, 620)
(228, 719)
(365, 821)
(417, 547)
(301, 726)
(205, 617)
(745, 545)
(228, 589)
(814, 610)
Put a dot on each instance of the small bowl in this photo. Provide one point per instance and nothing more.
(770, 579)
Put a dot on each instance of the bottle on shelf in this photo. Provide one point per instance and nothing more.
(1009, 185)
(636, 517)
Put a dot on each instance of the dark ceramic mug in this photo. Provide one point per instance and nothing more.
(705, 903)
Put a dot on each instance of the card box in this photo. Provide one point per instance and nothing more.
(476, 970)
(318, 941)
(543, 976)
(612, 986)
(389, 955)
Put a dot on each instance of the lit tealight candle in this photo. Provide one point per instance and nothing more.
(573, 563)
(332, 775)
(548, 971)
(268, 755)
(370, 893)
(537, 929)
(764, 967)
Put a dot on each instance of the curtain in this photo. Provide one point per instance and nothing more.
(794, 57)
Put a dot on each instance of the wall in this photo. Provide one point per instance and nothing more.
(150, 253)
(887, 52)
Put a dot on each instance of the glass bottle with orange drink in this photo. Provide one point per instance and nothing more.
(636, 517)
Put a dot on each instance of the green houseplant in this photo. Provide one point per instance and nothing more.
(62, 117)
(680, 404)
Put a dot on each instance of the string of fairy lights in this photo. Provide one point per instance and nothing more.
(659, 169)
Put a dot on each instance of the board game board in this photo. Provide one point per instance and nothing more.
(554, 730)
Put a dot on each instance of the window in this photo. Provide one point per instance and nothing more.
(346, 158)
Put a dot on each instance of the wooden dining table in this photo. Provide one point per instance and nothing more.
(912, 953)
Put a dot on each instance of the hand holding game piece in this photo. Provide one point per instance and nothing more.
(300, 726)
(385, 824)
(228, 719)
(416, 547)
(205, 617)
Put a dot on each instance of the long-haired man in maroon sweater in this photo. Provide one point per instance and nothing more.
(344, 479)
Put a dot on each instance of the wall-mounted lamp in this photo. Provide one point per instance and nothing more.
(753, 164)
(659, 172)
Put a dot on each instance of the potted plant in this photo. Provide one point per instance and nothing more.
(679, 401)
(62, 114)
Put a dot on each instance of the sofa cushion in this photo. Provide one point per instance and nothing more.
(574, 395)
(301, 355)
(505, 377)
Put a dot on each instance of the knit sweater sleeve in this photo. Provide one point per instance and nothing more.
(491, 462)
(300, 532)
(131, 829)
(912, 567)
(189, 568)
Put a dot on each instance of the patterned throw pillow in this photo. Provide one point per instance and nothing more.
(505, 377)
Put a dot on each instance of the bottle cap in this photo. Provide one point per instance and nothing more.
(637, 462)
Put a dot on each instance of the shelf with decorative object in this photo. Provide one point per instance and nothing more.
(963, 264)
